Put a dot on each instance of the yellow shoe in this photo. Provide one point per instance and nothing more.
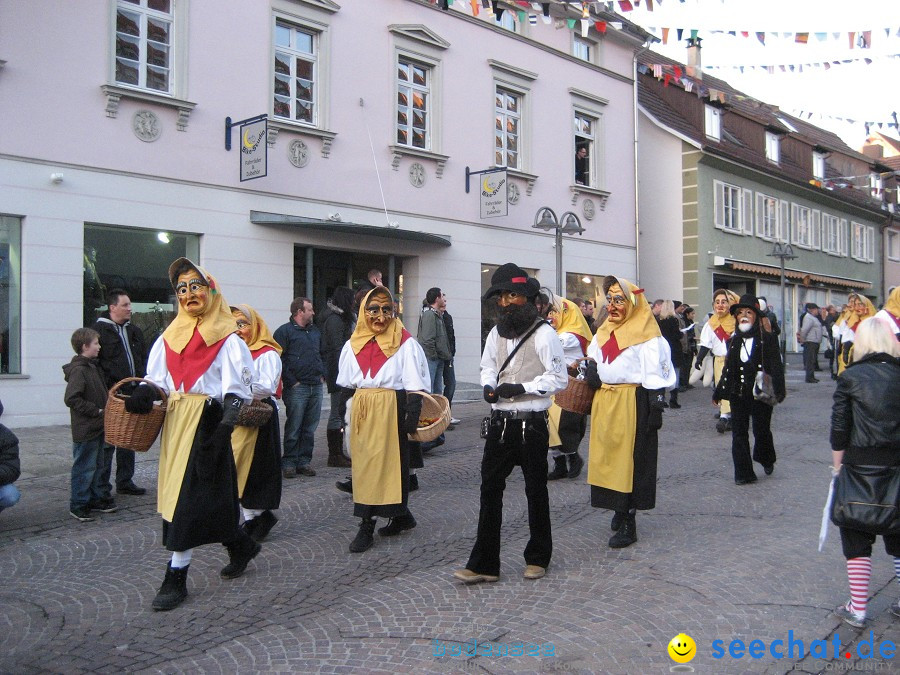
(470, 577)
(534, 572)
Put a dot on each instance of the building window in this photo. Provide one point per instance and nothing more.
(585, 130)
(508, 20)
(802, 221)
(143, 56)
(773, 147)
(413, 101)
(893, 245)
(507, 125)
(109, 262)
(10, 295)
(831, 234)
(732, 208)
(863, 243)
(582, 49)
(767, 225)
(713, 123)
(876, 185)
(819, 165)
(295, 77)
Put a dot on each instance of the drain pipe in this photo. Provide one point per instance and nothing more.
(637, 220)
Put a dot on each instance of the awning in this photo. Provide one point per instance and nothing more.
(797, 275)
(341, 228)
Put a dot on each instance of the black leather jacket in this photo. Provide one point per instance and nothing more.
(865, 412)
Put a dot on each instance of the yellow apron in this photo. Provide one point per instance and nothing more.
(374, 446)
(243, 442)
(553, 424)
(613, 428)
(718, 367)
(180, 427)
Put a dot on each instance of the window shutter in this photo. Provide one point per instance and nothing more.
(760, 214)
(794, 239)
(870, 244)
(719, 190)
(747, 212)
(816, 238)
(842, 237)
(783, 221)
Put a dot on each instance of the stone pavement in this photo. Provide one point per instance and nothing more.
(713, 560)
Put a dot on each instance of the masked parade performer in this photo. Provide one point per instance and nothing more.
(750, 350)
(380, 365)
(859, 307)
(566, 427)
(714, 338)
(891, 311)
(257, 450)
(206, 370)
(522, 366)
(631, 370)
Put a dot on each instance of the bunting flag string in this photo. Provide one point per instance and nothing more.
(798, 67)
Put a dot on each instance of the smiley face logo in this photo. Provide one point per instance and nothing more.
(682, 648)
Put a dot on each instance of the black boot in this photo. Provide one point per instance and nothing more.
(627, 534)
(559, 468)
(364, 538)
(240, 552)
(336, 457)
(576, 464)
(260, 526)
(397, 525)
(345, 485)
(618, 518)
(673, 399)
(173, 590)
(413, 482)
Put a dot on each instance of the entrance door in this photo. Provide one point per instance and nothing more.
(332, 268)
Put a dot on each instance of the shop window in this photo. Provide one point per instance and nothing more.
(10, 295)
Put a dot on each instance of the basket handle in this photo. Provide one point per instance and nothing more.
(115, 387)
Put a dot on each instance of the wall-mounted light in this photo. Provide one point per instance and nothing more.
(163, 237)
(586, 280)
(56, 178)
(334, 217)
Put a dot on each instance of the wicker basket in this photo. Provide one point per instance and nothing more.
(130, 430)
(433, 405)
(254, 414)
(577, 397)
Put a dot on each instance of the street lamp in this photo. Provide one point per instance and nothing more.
(545, 219)
(783, 252)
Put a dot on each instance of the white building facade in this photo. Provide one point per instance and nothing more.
(113, 160)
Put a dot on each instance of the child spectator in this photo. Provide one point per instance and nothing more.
(9, 466)
(86, 396)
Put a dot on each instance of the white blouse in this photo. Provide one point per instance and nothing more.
(710, 340)
(407, 369)
(266, 374)
(648, 364)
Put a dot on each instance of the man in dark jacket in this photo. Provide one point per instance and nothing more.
(750, 350)
(123, 353)
(337, 322)
(9, 466)
(302, 374)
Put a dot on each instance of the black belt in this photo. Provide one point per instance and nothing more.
(518, 414)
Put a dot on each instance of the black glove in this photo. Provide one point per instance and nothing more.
(141, 400)
(509, 390)
(657, 405)
(779, 398)
(232, 406)
(489, 394)
(845, 352)
(700, 356)
(413, 410)
(591, 377)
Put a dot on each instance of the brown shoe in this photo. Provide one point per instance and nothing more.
(289, 472)
(470, 577)
(534, 572)
(305, 471)
(338, 461)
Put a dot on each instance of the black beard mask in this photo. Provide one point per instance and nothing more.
(514, 320)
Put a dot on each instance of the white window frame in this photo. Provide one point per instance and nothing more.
(801, 232)
(862, 242)
(410, 88)
(773, 147)
(581, 138)
(176, 18)
(516, 81)
(583, 49)
(768, 222)
(819, 165)
(870, 244)
(831, 234)
(504, 117)
(713, 122)
(876, 185)
(294, 53)
(892, 245)
(732, 208)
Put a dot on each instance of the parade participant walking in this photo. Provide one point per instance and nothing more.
(257, 450)
(302, 373)
(714, 338)
(380, 366)
(891, 311)
(337, 321)
(750, 350)
(860, 308)
(865, 430)
(206, 370)
(566, 427)
(522, 366)
(631, 370)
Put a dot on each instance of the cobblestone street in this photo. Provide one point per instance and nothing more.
(713, 560)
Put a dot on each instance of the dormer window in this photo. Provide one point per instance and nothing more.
(713, 124)
(875, 185)
(819, 165)
(773, 147)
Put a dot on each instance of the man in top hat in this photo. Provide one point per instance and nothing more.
(522, 366)
(750, 350)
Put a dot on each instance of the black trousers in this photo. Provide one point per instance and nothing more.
(810, 359)
(857, 544)
(510, 443)
(743, 410)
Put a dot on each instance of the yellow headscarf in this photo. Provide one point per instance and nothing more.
(893, 302)
(389, 341)
(260, 336)
(639, 324)
(854, 318)
(569, 319)
(727, 321)
(216, 322)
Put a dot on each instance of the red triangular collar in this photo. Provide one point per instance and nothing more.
(583, 341)
(370, 358)
(610, 351)
(721, 334)
(188, 366)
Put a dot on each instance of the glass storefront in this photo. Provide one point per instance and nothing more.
(10, 294)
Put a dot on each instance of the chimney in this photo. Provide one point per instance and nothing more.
(693, 58)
